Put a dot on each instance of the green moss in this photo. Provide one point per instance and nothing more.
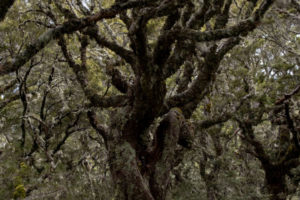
(19, 192)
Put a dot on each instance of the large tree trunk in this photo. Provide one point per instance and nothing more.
(148, 178)
(276, 184)
(126, 174)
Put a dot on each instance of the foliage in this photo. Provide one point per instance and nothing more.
(149, 99)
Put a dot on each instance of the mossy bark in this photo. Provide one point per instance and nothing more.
(140, 175)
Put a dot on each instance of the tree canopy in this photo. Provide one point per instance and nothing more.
(149, 100)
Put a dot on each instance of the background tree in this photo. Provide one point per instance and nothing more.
(141, 99)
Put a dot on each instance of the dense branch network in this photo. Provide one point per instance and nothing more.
(193, 37)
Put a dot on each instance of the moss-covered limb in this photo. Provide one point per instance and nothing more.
(129, 182)
(97, 125)
(284, 142)
(213, 35)
(211, 177)
(223, 16)
(8, 100)
(190, 98)
(186, 77)
(183, 50)
(287, 154)
(287, 96)
(4, 7)
(66, 12)
(297, 5)
(197, 87)
(23, 97)
(187, 11)
(164, 43)
(201, 16)
(260, 153)
(227, 46)
(177, 58)
(138, 34)
(289, 146)
(39, 44)
(125, 19)
(118, 79)
(161, 9)
(162, 159)
(275, 179)
(263, 8)
(242, 27)
(287, 149)
(206, 12)
(274, 173)
(293, 163)
(106, 102)
(139, 43)
(290, 124)
(81, 75)
(83, 9)
(163, 46)
(66, 28)
(127, 55)
(71, 128)
(214, 121)
(8, 86)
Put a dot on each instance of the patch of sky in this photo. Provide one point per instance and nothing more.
(257, 52)
(16, 89)
(86, 3)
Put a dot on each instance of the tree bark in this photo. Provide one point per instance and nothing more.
(4, 6)
(144, 179)
(276, 184)
(130, 183)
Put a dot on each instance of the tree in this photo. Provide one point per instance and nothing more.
(78, 49)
